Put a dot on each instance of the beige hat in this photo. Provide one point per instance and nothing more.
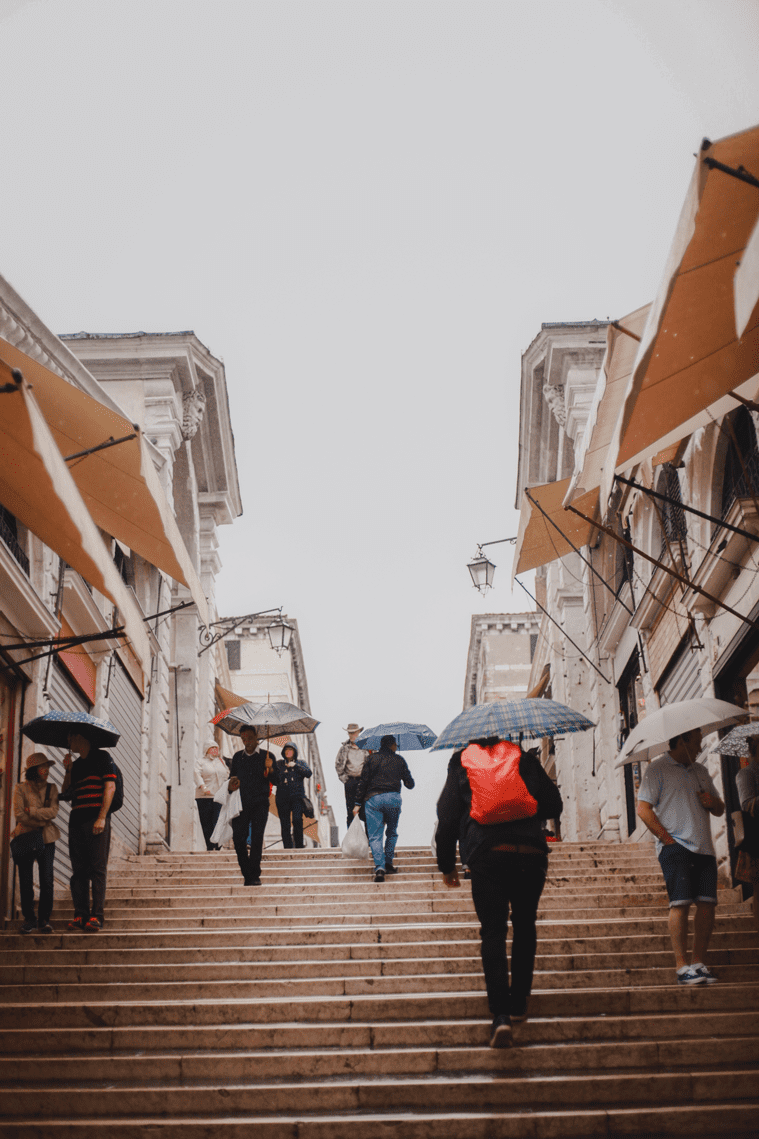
(353, 728)
(37, 759)
(213, 744)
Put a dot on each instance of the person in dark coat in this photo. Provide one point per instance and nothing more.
(291, 773)
(251, 771)
(89, 785)
(508, 863)
(379, 792)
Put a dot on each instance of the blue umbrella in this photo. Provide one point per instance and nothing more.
(54, 728)
(409, 737)
(511, 720)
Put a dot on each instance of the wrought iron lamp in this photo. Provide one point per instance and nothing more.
(482, 569)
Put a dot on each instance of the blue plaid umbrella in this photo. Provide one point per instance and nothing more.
(511, 720)
(409, 737)
(54, 728)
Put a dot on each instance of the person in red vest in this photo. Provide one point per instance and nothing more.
(492, 804)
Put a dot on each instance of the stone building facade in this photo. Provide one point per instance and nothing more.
(642, 637)
(162, 696)
(499, 661)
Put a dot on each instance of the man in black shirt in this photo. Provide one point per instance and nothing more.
(379, 790)
(252, 771)
(89, 785)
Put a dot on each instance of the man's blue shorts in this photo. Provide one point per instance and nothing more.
(689, 877)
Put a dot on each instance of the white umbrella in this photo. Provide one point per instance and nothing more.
(652, 735)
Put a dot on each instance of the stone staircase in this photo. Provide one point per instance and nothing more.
(324, 1006)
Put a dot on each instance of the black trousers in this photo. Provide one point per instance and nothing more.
(350, 786)
(285, 808)
(44, 859)
(253, 817)
(503, 882)
(209, 814)
(89, 863)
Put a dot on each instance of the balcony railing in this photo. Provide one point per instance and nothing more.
(11, 541)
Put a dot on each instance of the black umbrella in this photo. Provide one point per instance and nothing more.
(54, 728)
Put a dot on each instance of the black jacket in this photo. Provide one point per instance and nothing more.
(455, 824)
(384, 771)
(249, 769)
(290, 779)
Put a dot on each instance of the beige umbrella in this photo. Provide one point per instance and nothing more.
(690, 357)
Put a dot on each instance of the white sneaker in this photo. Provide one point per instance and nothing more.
(702, 971)
(689, 976)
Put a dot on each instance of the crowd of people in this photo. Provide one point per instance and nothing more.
(500, 835)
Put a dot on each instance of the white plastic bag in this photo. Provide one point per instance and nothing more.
(230, 809)
(433, 840)
(356, 844)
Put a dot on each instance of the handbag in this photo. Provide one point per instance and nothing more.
(30, 843)
(745, 832)
(308, 808)
(26, 845)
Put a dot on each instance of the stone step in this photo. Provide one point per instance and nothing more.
(253, 1067)
(284, 946)
(599, 1002)
(449, 1090)
(643, 966)
(632, 1122)
(322, 1035)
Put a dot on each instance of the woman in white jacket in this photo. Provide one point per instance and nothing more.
(211, 772)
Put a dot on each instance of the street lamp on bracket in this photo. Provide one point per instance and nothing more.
(218, 629)
(482, 569)
(280, 635)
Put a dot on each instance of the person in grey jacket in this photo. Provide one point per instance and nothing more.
(379, 790)
(349, 765)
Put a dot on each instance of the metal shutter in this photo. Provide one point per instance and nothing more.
(125, 712)
(682, 680)
(65, 696)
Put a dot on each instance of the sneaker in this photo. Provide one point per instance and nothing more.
(519, 1017)
(500, 1033)
(379, 875)
(390, 869)
(29, 927)
(45, 928)
(689, 976)
(94, 925)
(702, 971)
(77, 923)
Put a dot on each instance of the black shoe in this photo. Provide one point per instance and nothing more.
(28, 927)
(45, 927)
(252, 881)
(379, 875)
(500, 1033)
(390, 869)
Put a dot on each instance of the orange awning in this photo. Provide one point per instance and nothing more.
(119, 485)
(690, 356)
(616, 369)
(37, 488)
(540, 542)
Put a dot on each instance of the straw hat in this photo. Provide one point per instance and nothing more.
(353, 728)
(37, 759)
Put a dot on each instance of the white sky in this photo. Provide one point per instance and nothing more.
(366, 209)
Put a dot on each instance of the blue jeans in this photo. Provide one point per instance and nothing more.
(383, 811)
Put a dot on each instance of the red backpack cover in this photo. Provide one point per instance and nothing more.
(499, 794)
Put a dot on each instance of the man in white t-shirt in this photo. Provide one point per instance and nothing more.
(675, 800)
